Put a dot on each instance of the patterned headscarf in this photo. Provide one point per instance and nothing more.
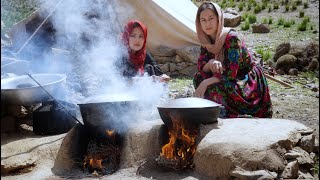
(136, 58)
(222, 32)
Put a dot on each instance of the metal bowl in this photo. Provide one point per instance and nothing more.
(22, 90)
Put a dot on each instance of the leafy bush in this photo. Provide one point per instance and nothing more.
(244, 16)
(294, 7)
(241, 6)
(306, 19)
(265, 21)
(305, 5)
(298, 2)
(302, 26)
(301, 14)
(245, 26)
(266, 54)
(257, 9)
(252, 18)
(287, 7)
(270, 20)
(248, 7)
(287, 24)
(280, 21)
(275, 6)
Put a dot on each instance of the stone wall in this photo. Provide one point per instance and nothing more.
(177, 62)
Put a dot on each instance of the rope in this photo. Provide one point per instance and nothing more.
(38, 28)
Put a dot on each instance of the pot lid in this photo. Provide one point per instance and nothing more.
(109, 98)
(189, 102)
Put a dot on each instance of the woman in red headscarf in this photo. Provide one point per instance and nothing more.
(139, 60)
(227, 73)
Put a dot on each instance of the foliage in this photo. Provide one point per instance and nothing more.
(245, 26)
(280, 21)
(305, 5)
(266, 54)
(294, 7)
(287, 7)
(257, 9)
(265, 20)
(252, 18)
(275, 6)
(241, 6)
(287, 24)
(301, 14)
(270, 20)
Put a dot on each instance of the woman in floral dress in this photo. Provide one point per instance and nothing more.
(227, 73)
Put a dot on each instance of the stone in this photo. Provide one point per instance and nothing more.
(164, 67)
(259, 174)
(164, 51)
(233, 142)
(313, 65)
(316, 146)
(293, 72)
(189, 71)
(307, 142)
(260, 28)
(292, 155)
(172, 67)
(179, 59)
(164, 59)
(181, 65)
(189, 54)
(285, 62)
(291, 170)
(231, 20)
(304, 159)
(304, 174)
(281, 50)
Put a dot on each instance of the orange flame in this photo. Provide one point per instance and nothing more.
(181, 145)
(110, 132)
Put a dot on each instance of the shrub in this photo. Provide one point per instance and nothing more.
(241, 6)
(287, 8)
(269, 8)
(252, 18)
(301, 14)
(270, 20)
(248, 7)
(292, 21)
(275, 6)
(302, 26)
(287, 24)
(245, 26)
(263, 6)
(298, 2)
(294, 7)
(257, 9)
(266, 54)
(265, 21)
(305, 5)
(280, 21)
(244, 16)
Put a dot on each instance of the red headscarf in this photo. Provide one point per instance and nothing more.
(137, 58)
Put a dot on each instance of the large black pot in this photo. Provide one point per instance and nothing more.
(190, 110)
(108, 114)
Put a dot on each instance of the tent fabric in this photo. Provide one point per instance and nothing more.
(170, 23)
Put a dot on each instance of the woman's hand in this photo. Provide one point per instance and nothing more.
(214, 66)
(200, 90)
(162, 78)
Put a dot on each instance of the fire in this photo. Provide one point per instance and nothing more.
(181, 145)
(93, 163)
(110, 133)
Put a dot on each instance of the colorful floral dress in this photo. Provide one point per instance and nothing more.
(243, 89)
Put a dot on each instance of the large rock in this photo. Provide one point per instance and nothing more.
(286, 62)
(231, 20)
(189, 54)
(260, 28)
(251, 144)
(281, 50)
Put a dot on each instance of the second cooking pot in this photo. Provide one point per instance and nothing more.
(190, 110)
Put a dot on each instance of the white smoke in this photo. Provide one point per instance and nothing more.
(90, 30)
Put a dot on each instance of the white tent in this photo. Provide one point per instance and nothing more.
(170, 22)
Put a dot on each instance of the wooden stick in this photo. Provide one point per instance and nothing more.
(278, 81)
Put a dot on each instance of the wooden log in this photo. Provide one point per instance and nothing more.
(278, 81)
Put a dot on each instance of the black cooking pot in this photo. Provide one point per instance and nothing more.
(106, 114)
(190, 110)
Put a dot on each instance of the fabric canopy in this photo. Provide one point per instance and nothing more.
(170, 23)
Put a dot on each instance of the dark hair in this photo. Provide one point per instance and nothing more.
(136, 24)
(204, 6)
